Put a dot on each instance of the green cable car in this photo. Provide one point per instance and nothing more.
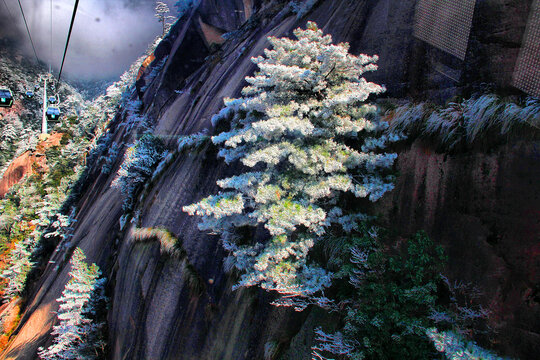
(6, 98)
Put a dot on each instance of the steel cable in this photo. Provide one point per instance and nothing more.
(27, 30)
(69, 35)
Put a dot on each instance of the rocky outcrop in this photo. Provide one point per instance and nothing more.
(18, 168)
(27, 163)
(471, 203)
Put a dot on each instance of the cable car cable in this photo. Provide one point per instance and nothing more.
(69, 35)
(28, 31)
(9, 11)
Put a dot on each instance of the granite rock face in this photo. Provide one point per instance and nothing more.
(481, 206)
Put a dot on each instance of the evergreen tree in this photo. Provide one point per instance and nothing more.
(19, 265)
(75, 330)
(393, 297)
(303, 127)
(162, 10)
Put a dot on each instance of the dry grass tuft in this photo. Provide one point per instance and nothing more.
(171, 246)
(467, 121)
(169, 243)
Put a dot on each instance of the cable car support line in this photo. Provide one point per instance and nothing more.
(28, 31)
(9, 11)
(69, 35)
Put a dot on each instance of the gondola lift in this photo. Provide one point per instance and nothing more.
(52, 113)
(6, 98)
(29, 94)
(52, 100)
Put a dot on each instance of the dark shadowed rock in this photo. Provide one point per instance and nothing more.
(483, 208)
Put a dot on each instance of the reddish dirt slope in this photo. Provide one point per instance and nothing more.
(26, 163)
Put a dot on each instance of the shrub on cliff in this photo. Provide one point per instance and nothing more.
(139, 163)
(391, 300)
(32, 222)
(304, 129)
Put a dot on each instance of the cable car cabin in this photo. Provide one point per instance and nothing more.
(52, 100)
(29, 94)
(53, 113)
(6, 98)
(36, 86)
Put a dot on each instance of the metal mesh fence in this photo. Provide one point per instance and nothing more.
(445, 24)
(527, 70)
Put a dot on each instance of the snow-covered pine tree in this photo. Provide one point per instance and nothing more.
(19, 266)
(303, 126)
(162, 10)
(75, 328)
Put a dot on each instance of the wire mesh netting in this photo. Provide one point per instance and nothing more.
(527, 71)
(445, 24)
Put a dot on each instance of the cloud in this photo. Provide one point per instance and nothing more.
(108, 35)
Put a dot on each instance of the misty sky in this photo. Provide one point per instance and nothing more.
(108, 35)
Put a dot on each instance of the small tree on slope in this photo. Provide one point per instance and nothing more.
(303, 128)
(75, 328)
(162, 10)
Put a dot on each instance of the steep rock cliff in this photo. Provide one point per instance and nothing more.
(482, 206)
(471, 203)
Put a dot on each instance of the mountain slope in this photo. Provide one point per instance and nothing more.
(164, 307)
(21, 124)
